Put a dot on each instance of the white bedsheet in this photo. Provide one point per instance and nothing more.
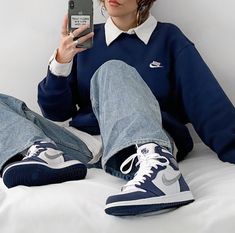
(77, 207)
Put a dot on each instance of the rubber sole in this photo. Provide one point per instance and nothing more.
(143, 209)
(147, 205)
(36, 174)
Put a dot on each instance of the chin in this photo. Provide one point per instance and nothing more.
(114, 13)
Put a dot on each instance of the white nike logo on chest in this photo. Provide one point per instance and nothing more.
(155, 64)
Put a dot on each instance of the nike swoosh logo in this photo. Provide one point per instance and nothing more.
(169, 182)
(52, 156)
(155, 64)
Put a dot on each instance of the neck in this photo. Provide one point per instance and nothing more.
(125, 23)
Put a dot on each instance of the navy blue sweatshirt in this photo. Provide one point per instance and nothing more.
(184, 86)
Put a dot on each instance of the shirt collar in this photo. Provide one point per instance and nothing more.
(143, 31)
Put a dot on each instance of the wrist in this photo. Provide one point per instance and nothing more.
(60, 59)
(58, 68)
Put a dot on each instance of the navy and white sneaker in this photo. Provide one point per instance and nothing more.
(158, 185)
(44, 164)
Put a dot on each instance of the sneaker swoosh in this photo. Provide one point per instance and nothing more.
(52, 156)
(169, 182)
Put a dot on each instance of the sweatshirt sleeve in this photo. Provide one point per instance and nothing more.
(205, 104)
(57, 96)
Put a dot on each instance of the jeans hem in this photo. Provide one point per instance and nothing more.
(133, 142)
(7, 157)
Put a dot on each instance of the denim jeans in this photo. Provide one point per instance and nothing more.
(127, 112)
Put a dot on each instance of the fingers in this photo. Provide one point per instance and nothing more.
(79, 50)
(71, 34)
(80, 41)
(76, 32)
(85, 38)
(65, 32)
(64, 29)
(68, 43)
(82, 28)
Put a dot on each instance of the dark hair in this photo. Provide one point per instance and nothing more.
(142, 9)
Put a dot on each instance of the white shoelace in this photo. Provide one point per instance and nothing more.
(146, 162)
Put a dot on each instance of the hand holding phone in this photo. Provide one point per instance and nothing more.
(75, 35)
(80, 12)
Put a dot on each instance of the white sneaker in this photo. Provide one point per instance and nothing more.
(157, 185)
(44, 164)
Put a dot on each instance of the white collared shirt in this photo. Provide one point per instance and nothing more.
(143, 31)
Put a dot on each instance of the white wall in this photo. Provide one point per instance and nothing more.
(30, 30)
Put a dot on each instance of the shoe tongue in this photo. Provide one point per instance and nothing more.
(147, 149)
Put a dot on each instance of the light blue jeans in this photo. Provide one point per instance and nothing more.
(127, 112)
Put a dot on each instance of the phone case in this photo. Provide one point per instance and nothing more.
(80, 12)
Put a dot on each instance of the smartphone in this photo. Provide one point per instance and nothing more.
(80, 12)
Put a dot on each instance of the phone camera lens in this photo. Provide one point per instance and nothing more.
(71, 4)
